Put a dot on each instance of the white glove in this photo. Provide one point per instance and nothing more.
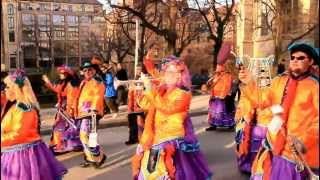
(275, 125)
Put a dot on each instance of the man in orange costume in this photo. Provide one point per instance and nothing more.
(294, 101)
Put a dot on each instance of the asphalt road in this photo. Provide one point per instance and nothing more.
(217, 147)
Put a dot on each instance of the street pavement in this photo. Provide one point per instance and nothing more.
(217, 146)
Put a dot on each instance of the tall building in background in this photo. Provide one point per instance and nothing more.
(254, 37)
(48, 33)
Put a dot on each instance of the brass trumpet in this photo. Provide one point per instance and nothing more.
(301, 162)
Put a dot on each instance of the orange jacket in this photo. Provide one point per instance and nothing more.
(303, 117)
(90, 97)
(68, 92)
(221, 85)
(19, 126)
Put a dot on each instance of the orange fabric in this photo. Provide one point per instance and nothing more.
(148, 63)
(168, 160)
(303, 116)
(90, 93)
(136, 163)
(19, 127)
(68, 92)
(221, 85)
(290, 89)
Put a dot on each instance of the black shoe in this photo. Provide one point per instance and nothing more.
(212, 128)
(99, 164)
(85, 164)
(130, 142)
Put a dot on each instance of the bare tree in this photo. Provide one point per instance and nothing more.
(280, 19)
(217, 16)
(159, 17)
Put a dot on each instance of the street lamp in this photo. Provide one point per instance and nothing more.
(136, 54)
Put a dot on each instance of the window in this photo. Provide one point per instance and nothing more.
(70, 8)
(10, 9)
(28, 34)
(26, 6)
(13, 63)
(44, 7)
(27, 19)
(56, 7)
(73, 20)
(83, 8)
(85, 20)
(44, 32)
(59, 33)
(73, 48)
(58, 20)
(10, 22)
(73, 33)
(11, 36)
(44, 19)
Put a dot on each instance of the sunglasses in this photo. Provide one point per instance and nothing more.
(87, 70)
(299, 58)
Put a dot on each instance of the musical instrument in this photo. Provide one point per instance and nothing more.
(93, 136)
(69, 119)
(301, 162)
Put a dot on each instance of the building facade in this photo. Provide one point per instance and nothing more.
(47, 33)
(254, 37)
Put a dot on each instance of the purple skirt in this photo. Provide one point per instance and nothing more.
(32, 161)
(284, 169)
(245, 161)
(189, 161)
(70, 139)
(218, 114)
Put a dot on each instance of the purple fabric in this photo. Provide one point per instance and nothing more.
(191, 165)
(86, 128)
(32, 163)
(218, 115)
(284, 169)
(69, 136)
(245, 161)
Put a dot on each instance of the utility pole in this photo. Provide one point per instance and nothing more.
(136, 54)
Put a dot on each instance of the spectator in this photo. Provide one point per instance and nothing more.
(121, 89)
(110, 93)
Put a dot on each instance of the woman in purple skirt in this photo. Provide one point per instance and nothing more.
(65, 137)
(168, 147)
(24, 156)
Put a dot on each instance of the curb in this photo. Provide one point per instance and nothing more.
(120, 122)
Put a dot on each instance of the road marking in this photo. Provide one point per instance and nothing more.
(112, 167)
(230, 145)
(68, 156)
(74, 154)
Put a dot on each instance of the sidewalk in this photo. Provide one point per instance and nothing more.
(199, 106)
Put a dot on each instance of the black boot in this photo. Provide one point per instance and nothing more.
(99, 164)
(86, 163)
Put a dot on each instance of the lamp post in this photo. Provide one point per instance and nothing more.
(136, 54)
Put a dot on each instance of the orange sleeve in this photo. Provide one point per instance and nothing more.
(150, 68)
(180, 103)
(54, 88)
(24, 127)
(71, 97)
